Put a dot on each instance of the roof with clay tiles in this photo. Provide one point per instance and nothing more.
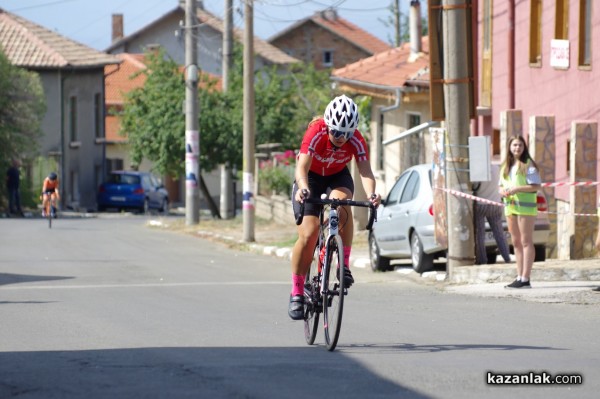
(262, 48)
(30, 45)
(331, 21)
(394, 68)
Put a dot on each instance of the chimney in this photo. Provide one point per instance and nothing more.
(199, 4)
(415, 28)
(117, 27)
(329, 14)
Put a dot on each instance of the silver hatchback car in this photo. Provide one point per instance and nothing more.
(405, 225)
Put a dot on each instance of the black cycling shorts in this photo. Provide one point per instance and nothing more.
(322, 185)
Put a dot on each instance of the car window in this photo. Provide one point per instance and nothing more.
(146, 185)
(130, 179)
(394, 194)
(118, 178)
(156, 182)
(411, 189)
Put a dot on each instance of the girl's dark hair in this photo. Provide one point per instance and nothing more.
(522, 162)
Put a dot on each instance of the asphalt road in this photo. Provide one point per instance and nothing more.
(108, 307)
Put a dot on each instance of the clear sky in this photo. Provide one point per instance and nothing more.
(89, 21)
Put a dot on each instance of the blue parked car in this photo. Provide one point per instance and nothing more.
(132, 190)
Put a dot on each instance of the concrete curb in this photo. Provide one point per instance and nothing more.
(551, 270)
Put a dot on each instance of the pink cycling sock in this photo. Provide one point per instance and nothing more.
(297, 284)
(347, 256)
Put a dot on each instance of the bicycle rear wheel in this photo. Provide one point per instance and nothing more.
(333, 299)
(312, 294)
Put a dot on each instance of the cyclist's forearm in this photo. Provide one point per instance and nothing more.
(301, 173)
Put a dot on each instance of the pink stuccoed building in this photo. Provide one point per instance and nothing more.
(549, 64)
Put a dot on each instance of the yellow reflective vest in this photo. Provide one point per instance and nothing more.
(519, 203)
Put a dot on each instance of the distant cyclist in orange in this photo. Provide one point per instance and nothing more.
(50, 193)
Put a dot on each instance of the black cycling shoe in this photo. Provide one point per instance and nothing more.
(348, 279)
(296, 308)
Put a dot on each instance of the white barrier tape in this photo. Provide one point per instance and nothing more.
(489, 202)
(566, 183)
(471, 197)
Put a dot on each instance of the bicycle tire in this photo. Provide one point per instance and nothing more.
(333, 298)
(49, 214)
(312, 294)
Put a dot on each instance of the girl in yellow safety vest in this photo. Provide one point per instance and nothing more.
(519, 183)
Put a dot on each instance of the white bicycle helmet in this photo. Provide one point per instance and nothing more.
(341, 114)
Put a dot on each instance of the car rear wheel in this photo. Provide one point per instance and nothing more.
(492, 257)
(378, 262)
(145, 207)
(164, 206)
(540, 253)
(421, 262)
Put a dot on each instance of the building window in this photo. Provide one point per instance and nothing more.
(416, 149)
(98, 106)
(327, 58)
(486, 56)
(73, 119)
(585, 33)
(561, 27)
(535, 34)
(414, 120)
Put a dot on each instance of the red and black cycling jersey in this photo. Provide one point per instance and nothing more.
(327, 159)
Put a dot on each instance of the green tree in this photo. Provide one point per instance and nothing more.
(22, 107)
(153, 119)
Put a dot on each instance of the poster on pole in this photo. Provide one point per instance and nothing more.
(439, 185)
(247, 191)
(192, 153)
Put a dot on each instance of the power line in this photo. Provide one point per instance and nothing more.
(42, 5)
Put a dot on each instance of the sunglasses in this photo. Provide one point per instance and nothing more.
(337, 134)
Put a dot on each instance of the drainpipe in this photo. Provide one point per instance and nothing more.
(61, 82)
(511, 54)
(396, 104)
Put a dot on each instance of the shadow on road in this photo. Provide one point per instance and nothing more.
(192, 372)
(9, 278)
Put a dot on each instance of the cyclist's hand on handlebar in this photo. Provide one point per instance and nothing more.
(375, 199)
(302, 194)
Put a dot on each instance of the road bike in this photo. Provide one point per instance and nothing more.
(324, 288)
(50, 209)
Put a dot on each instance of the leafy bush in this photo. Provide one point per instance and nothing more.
(276, 176)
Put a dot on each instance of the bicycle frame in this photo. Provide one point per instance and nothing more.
(50, 204)
(323, 292)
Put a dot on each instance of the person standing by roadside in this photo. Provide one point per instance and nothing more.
(493, 213)
(519, 182)
(13, 178)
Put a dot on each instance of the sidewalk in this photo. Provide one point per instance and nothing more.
(553, 281)
(276, 239)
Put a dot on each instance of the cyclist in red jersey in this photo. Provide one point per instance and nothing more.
(329, 144)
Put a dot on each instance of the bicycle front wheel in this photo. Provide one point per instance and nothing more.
(312, 294)
(333, 298)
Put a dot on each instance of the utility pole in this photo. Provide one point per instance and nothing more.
(249, 124)
(227, 55)
(397, 22)
(192, 136)
(456, 94)
(227, 206)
